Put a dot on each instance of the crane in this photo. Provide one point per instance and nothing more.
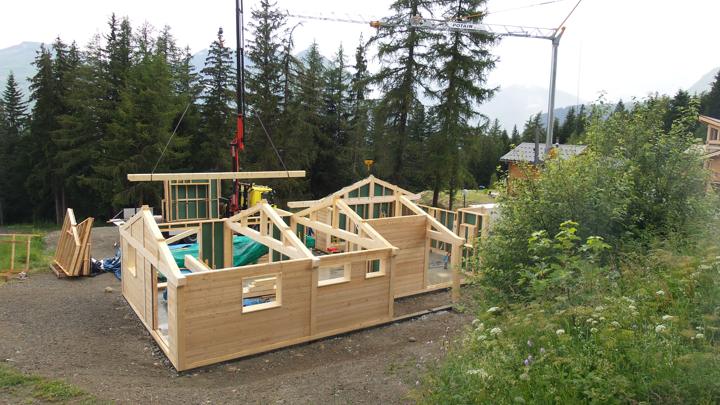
(500, 30)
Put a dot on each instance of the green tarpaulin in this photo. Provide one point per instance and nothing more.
(245, 251)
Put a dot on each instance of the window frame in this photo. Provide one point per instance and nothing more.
(266, 305)
(347, 271)
(372, 274)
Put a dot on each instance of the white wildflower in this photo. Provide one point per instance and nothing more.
(668, 317)
(560, 332)
(602, 318)
(480, 327)
(599, 308)
(495, 331)
(704, 267)
(660, 292)
(632, 307)
(615, 324)
(594, 322)
(479, 372)
(524, 376)
(700, 328)
(660, 328)
(699, 336)
(482, 337)
(493, 310)
(589, 320)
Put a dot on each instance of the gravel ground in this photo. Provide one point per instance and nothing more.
(72, 329)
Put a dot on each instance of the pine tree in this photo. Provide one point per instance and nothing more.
(211, 146)
(405, 71)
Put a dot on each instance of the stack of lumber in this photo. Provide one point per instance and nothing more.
(72, 257)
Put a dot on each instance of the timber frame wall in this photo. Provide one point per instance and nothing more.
(383, 239)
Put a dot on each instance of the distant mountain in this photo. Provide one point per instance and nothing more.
(513, 105)
(18, 59)
(705, 82)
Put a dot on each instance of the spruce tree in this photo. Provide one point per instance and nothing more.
(405, 71)
(676, 107)
(308, 119)
(515, 136)
(43, 182)
(211, 146)
(333, 148)
(567, 129)
(14, 108)
(711, 100)
(265, 85)
(13, 121)
(359, 115)
(463, 61)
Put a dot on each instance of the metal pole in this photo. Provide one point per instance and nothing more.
(237, 144)
(551, 96)
(240, 58)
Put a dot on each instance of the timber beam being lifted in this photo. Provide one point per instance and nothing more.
(280, 174)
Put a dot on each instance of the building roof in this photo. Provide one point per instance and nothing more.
(525, 152)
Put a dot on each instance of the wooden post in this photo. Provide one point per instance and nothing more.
(455, 266)
(12, 254)
(27, 253)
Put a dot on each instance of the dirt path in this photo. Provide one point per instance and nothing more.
(72, 329)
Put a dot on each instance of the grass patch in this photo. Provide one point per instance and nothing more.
(473, 197)
(19, 387)
(39, 256)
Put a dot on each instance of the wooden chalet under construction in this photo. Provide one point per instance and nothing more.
(335, 265)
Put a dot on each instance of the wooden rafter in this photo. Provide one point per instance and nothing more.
(288, 244)
(216, 176)
(372, 199)
(437, 230)
(151, 235)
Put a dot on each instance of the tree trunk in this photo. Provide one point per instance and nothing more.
(436, 192)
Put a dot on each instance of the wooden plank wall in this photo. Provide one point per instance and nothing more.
(212, 327)
(135, 274)
(407, 233)
(358, 302)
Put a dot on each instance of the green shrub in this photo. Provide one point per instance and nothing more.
(651, 337)
(635, 182)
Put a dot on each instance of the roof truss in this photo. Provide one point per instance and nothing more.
(288, 244)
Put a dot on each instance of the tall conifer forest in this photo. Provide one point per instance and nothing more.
(131, 94)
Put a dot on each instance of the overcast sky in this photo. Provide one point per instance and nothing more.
(623, 48)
